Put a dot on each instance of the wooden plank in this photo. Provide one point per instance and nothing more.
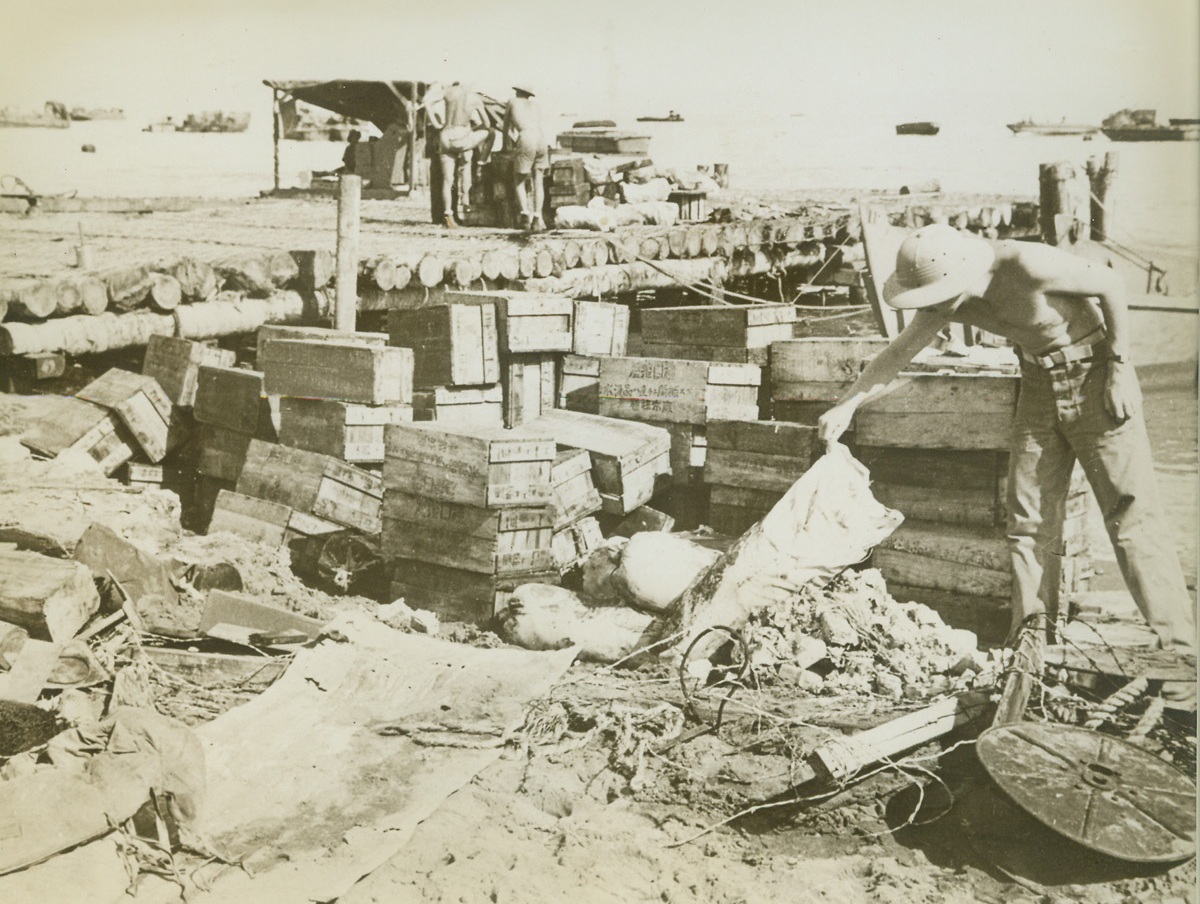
(947, 505)
(759, 356)
(267, 333)
(957, 395)
(346, 371)
(744, 497)
(257, 520)
(984, 547)
(218, 669)
(231, 398)
(50, 598)
(223, 607)
(175, 365)
(600, 328)
(342, 430)
(140, 404)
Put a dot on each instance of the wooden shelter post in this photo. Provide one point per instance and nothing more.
(345, 304)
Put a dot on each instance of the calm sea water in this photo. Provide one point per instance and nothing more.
(1156, 196)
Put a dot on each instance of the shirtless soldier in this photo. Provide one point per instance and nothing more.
(523, 136)
(1079, 398)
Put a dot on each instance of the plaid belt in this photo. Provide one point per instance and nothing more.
(1084, 350)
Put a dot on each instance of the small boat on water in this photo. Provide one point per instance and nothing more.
(163, 125)
(53, 116)
(215, 121)
(918, 128)
(1143, 125)
(86, 114)
(671, 116)
(1029, 127)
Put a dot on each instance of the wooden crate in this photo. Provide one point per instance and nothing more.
(939, 485)
(175, 365)
(574, 543)
(628, 458)
(453, 344)
(601, 328)
(488, 541)
(481, 406)
(689, 450)
(575, 493)
(734, 510)
(759, 455)
(819, 370)
(313, 484)
(73, 424)
(735, 326)
(222, 452)
(681, 392)
(579, 384)
(487, 467)
(529, 382)
(941, 411)
(141, 405)
(526, 321)
(142, 475)
(723, 354)
(257, 520)
(346, 371)
(269, 332)
(457, 595)
(231, 398)
(343, 430)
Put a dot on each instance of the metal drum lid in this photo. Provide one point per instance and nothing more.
(1100, 791)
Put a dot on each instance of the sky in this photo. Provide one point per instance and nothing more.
(904, 59)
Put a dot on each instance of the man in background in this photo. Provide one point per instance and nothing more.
(464, 130)
(523, 136)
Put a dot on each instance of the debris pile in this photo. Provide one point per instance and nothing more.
(853, 637)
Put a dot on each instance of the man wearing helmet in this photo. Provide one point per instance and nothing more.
(1079, 399)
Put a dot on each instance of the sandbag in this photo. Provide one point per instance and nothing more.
(599, 573)
(827, 521)
(656, 568)
(546, 617)
(656, 213)
(654, 190)
(572, 216)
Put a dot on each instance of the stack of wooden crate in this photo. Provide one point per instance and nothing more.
(283, 493)
(533, 332)
(601, 330)
(629, 460)
(730, 334)
(576, 500)
(336, 394)
(456, 361)
(681, 396)
(230, 410)
(750, 465)
(468, 514)
(807, 376)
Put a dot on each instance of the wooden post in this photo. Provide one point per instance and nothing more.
(277, 130)
(1055, 209)
(1026, 669)
(345, 306)
(1101, 178)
